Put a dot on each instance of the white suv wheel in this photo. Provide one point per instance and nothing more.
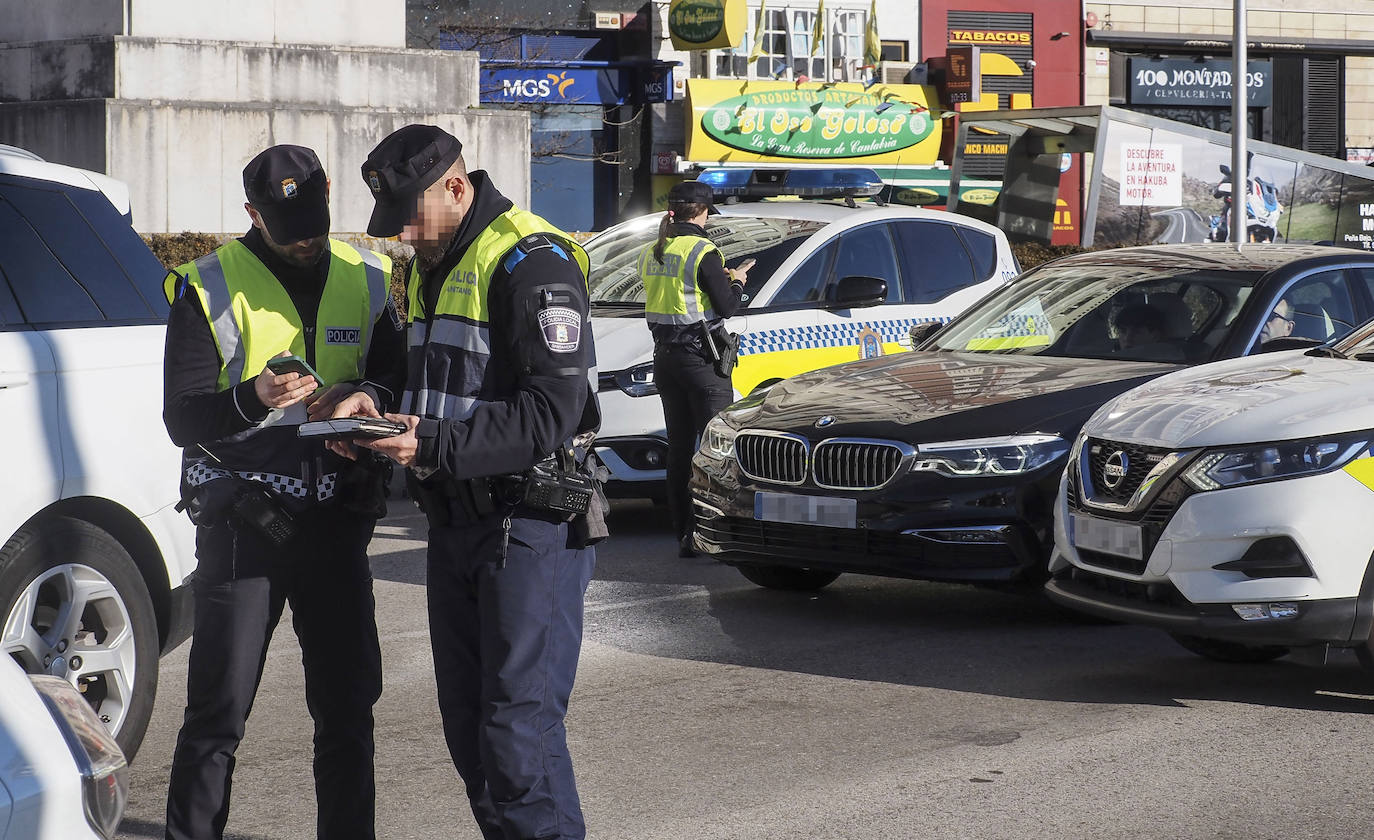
(75, 607)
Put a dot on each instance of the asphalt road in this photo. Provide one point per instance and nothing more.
(707, 708)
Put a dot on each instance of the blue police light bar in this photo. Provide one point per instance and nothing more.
(748, 182)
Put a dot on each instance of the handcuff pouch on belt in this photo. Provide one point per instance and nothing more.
(242, 504)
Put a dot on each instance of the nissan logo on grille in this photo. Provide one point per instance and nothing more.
(1114, 471)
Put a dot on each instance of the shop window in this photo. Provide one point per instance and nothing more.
(895, 50)
(785, 48)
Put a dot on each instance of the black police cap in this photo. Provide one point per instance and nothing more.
(402, 166)
(693, 192)
(288, 187)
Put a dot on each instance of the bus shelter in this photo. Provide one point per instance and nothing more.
(1148, 180)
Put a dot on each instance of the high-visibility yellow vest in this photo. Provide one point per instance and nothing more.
(455, 339)
(671, 295)
(253, 319)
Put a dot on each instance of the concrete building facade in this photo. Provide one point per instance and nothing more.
(136, 89)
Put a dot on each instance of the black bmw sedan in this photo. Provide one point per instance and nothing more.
(942, 464)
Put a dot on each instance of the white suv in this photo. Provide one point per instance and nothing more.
(93, 555)
(1231, 504)
(834, 281)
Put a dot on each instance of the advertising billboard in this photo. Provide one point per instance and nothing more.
(739, 122)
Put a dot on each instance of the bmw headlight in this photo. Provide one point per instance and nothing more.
(718, 441)
(637, 381)
(1010, 455)
(1220, 468)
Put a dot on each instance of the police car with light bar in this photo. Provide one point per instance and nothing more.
(1231, 505)
(810, 301)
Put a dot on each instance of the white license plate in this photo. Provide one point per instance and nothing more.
(806, 510)
(1123, 539)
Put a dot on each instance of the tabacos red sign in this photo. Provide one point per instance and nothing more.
(815, 124)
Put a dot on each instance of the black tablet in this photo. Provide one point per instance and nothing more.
(350, 427)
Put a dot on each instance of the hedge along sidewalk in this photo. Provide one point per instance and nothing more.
(174, 249)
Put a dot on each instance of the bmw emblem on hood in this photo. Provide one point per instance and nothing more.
(825, 421)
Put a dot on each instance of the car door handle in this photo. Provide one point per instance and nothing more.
(13, 378)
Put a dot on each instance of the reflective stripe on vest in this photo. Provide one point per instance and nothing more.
(452, 346)
(670, 287)
(252, 317)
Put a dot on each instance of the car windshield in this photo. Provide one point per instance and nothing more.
(1147, 313)
(615, 254)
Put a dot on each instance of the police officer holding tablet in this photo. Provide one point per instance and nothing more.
(499, 409)
(279, 518)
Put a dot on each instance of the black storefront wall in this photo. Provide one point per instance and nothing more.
(1305, 107)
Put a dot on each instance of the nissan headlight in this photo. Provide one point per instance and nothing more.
(637, 381)
(718, 441)
(1010, 455)
(1220, 468)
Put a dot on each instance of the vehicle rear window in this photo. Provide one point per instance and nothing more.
(46, 293)
(143, 269)
(10, 315)
(982, 247)
(937, 265)
(73, 241)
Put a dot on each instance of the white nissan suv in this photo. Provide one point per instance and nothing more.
(1231, 504)
(93, 555)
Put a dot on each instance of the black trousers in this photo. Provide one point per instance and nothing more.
(506, 638)
(692, 393)
(240, 586)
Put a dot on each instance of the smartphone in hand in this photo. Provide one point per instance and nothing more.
(746, 264)
(293, 364)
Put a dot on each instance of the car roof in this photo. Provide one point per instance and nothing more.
(1218, 256)
(25, 164)
(835, 211)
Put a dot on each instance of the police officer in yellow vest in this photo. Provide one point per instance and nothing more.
(279, 518)
(500, 409)
(687, 292)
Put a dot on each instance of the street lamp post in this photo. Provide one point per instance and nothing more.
(1240, 126)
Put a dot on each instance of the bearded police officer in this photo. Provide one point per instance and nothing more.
(499, 409)
(279, 518)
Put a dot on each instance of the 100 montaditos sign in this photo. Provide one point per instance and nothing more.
(734, 121)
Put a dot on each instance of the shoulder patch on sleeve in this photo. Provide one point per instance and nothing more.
(561, 329)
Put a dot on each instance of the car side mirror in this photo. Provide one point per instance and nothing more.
(857, 291)
(923, 330)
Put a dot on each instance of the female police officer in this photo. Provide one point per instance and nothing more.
(687, 291)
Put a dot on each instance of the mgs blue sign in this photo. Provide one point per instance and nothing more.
(558, 86)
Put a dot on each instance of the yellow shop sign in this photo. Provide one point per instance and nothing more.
(733, 122)
(707, 24)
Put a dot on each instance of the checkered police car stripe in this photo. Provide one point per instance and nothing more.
(814, 336)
